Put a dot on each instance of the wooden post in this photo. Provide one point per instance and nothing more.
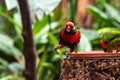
(94, 65)
(29, 47)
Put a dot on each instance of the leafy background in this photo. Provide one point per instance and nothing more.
(46, 23)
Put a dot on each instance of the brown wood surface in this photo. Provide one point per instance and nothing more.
(95, 54)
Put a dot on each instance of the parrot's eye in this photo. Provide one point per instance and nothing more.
(72, 27)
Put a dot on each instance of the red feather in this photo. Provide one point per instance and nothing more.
(69, 40)
(103, 44)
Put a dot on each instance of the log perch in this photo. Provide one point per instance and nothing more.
(91, 66)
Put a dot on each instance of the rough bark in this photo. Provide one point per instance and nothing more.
(90, 69)
(84, 19)
(29, 47)
(91, 65)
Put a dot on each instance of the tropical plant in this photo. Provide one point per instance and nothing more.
(14, 46)
(45, 32)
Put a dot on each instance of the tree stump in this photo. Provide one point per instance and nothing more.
(95, 65)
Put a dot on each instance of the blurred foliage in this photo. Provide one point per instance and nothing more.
(46, 26)
(107, 17)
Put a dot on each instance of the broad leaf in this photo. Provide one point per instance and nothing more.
(90, 34)
(52, 38)
(41, 67)
(39, 26)
(17, 20)
(8, 47)
(41, 36)
(12, 77)
(113, 14)
(84, 44)
(16, 68)
(16, 25)
(99, 14)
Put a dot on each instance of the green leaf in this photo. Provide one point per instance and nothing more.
(48, 66)
(17, 20)
(112, 12)
(12, 77)
(3, 62)
(39, 26)
(84, 44)
(7, 42)
(41, 36)
(15, 67)
(57, 57)
(90, 34)
(41, 67)
(99, 14)
(16, 25)
(52, 38)
(101, 3)
(6, 45)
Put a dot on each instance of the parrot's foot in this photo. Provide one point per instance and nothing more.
(117, 50)
(68, 56)
(73, 52)
(110, 51)
(57, 47)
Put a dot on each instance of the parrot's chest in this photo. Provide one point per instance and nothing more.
(69, 40)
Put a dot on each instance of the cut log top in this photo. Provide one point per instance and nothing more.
(95, 54)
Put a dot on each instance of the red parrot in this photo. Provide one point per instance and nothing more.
(69, 37)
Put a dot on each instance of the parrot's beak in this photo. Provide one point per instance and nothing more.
(68, 29)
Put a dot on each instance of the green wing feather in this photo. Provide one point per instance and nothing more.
(110, 35)
(114, 44)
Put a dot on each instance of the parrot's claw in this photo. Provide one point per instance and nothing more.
(56, 49)
(117, 51)
(74, 53)
(68, 56)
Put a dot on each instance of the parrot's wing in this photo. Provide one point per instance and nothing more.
(110, 35)
(115, 43)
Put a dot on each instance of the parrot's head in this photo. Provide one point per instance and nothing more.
(70, 28)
